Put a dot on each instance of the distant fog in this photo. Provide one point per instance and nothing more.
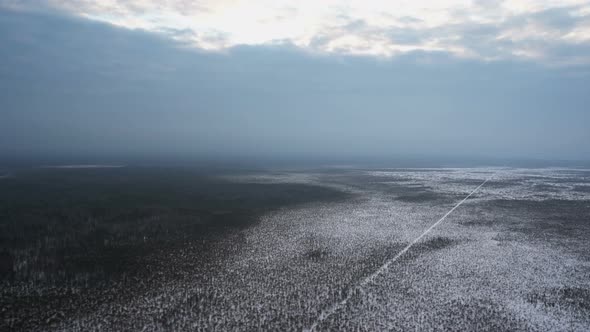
(77, 90)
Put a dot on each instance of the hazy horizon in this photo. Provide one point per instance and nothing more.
(75, 82)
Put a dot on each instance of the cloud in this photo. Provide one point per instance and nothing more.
(72, 86)
(533, 30)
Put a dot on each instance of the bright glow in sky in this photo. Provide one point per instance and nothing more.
(484, 29)
(119, 78)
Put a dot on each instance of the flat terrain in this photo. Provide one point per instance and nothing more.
(177, 249)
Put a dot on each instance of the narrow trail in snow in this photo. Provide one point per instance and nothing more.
(339, 305)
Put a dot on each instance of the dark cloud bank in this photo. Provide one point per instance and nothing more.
(77, 89)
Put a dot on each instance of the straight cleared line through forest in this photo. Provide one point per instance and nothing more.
(337, 306)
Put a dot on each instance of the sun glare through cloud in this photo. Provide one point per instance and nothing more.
(485, 30)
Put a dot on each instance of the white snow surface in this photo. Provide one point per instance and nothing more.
(484, 268)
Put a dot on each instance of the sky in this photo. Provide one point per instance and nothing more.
(304, 79)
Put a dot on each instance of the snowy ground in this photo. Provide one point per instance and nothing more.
(515, 256)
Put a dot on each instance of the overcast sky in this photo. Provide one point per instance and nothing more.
(303, 79)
